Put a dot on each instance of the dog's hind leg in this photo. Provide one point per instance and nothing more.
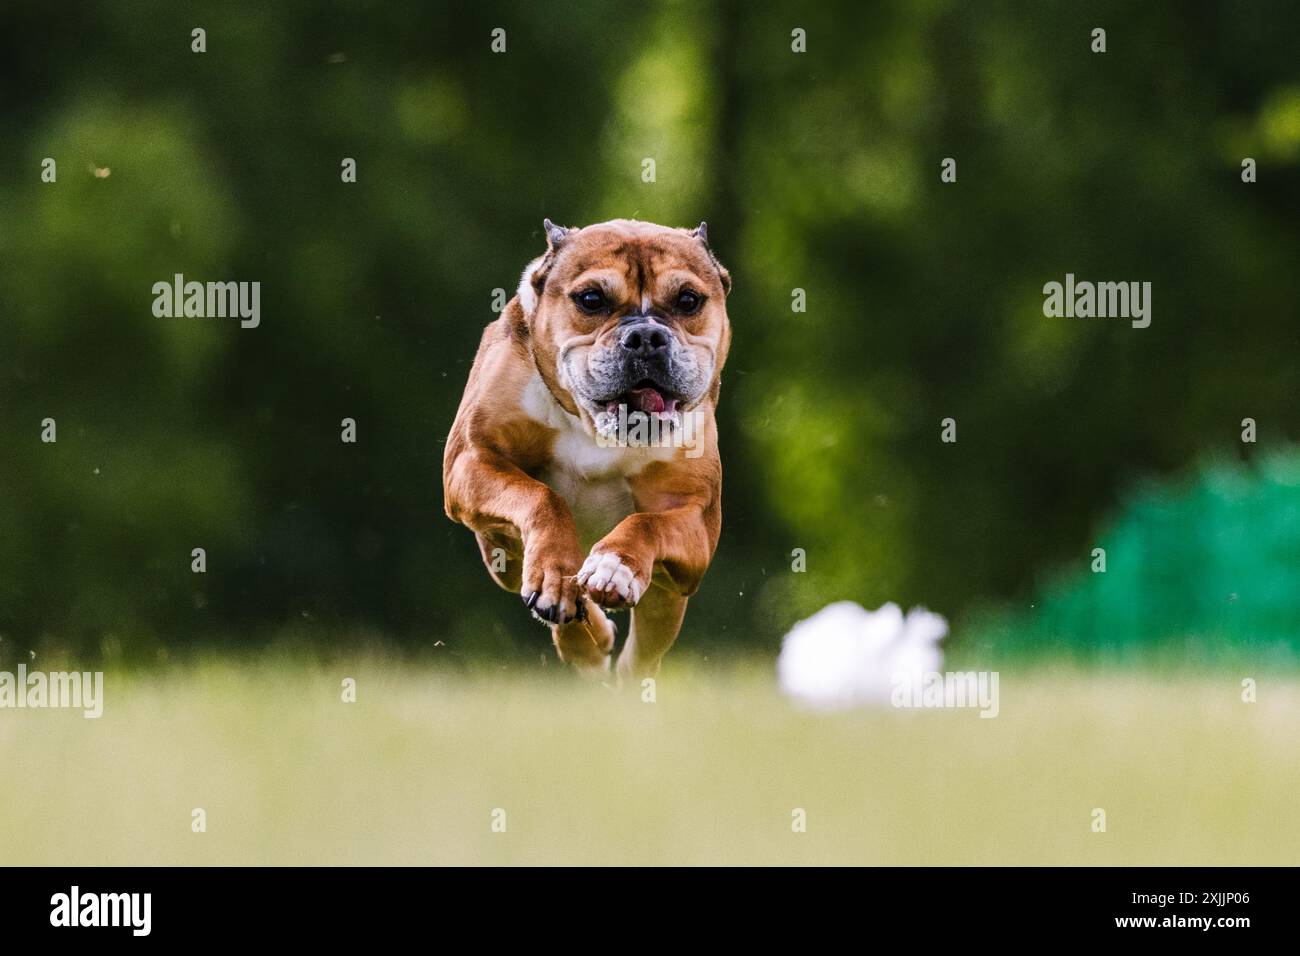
(586, 643)
(655, 622)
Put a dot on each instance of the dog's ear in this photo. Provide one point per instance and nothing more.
(534, 277)
(701, 232)
(724, 275)
(554, 235)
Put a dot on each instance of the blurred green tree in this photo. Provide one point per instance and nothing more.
(818, 171)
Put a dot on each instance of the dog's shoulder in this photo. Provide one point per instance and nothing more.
(490, 413)
(505, 337)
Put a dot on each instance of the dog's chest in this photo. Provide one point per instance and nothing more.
(597, 504)
(593, 479)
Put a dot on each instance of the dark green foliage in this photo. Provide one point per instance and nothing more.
(817, 171)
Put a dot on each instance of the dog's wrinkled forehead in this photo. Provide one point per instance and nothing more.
(638, 252)
(640, 256)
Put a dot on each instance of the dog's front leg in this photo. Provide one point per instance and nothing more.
(485, 491)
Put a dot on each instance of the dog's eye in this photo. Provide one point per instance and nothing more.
(689, 302)
(589, 300)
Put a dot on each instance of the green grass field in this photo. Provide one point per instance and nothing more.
(710, 773)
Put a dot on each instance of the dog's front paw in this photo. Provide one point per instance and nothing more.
(611, 579)
(550, 583)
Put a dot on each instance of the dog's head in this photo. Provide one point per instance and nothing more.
(627, 313)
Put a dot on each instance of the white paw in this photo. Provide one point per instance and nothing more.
(609, 581)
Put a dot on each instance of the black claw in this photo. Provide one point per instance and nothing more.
(529, 602)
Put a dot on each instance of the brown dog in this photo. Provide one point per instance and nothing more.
(584, 455)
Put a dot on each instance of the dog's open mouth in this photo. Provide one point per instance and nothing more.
(644, 396)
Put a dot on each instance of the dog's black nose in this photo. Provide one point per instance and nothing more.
(645, 339)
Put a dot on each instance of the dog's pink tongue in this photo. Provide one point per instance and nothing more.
(647, 400)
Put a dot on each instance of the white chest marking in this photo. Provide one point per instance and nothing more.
(593, 479)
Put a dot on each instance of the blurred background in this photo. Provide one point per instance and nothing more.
(817, 171)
